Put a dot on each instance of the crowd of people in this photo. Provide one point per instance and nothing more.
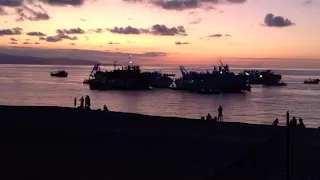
(85, 103)
(215, 119)
(293, 123)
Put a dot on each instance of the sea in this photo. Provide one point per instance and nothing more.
(29, 85)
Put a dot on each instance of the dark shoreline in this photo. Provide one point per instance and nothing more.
(67, 143)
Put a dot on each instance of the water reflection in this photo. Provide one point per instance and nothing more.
(33, 85)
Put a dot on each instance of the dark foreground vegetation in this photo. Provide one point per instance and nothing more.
(63, 143)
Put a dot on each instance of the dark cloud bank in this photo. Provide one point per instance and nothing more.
(17, 3)
(186, 4)
(276, 21)
(156, 29)
(61, 35)
(31, 9)
(31, 13)
(13, 31)
(70, 31)
(36, 34)
(58, 38)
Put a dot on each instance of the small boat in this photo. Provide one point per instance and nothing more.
(311, 81)
(61, 73)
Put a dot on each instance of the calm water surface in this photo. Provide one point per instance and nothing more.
(32, 85)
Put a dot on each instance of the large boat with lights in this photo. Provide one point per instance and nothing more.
(129, 77)
(220, 80)
(264, 77)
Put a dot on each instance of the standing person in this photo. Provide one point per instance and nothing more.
(75, 102)
(86, 101)
(209, 117)
(301, 124)
(220, 116)
(89, 102)
(275, 122)
(293, 122)
(81, 102)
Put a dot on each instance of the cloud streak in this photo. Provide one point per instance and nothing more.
(181, 43)
(32, 13)
(34, 33)
(64, 2)
(70, 31)
(166, 31)
(11, 3)
(156, 29)
(58, 38)
(13, 31)
(215, 35)
(180, 5)
(128, 30)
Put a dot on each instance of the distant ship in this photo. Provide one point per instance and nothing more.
(219, 80)
(95, 69)
(311, 81)
(60, 73)
(264, 77)
(128, 77)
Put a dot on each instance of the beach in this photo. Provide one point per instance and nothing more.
(68, 143)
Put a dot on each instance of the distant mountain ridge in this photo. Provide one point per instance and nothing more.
(18, 59)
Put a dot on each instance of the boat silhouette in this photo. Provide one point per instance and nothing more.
(60, 73)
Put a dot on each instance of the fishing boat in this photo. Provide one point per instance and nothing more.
(128, 77)
(219, 80)
(95, 69)
(159, 80)
(266, 77)
(311, 81)
(60, 73)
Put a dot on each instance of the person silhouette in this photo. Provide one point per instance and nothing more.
(75, 102)
(293, 122)
(220, 116)
(81, 102)
(275, 122)
(209, 116)
(301, 124)
(86, 101)
(105, 108)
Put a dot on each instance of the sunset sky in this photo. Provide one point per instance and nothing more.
(164, 30)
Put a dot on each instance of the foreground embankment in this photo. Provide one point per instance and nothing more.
(65, 143)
